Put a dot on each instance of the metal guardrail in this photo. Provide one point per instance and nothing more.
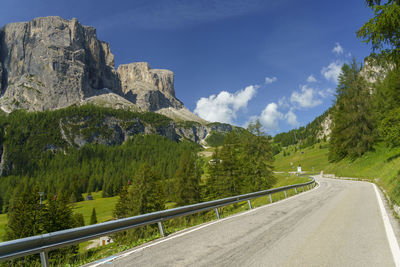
(42, 244)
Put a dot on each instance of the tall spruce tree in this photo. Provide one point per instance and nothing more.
(187, 179)
(58, 213)
(25, 214)
(93, 217)
(231, 181)
(352, 117)
(123, 208)
(256, 159)
(214, 182)
(145, 195)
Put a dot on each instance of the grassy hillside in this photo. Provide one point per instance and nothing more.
(381, 165)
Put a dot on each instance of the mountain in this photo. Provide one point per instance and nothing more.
(50, 63)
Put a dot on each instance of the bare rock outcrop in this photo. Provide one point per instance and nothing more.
(50, 63)
(150, 89)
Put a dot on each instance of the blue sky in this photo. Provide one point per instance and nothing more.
(233, 60)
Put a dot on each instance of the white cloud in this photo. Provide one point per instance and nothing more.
(311, 79)
(291, 118)
(305, 98)
(332, 71)
(283, 103)
(330, 91)
(338, 49)
(270, 117)
(269, 80)
(224, 106)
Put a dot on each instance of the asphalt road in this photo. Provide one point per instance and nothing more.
(337, 224)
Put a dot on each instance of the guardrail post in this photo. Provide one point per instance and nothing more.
(295, 190)
(303, 189)
(308, 188)
(285, 194)
(270, 198)
(249, 202)
(217, 213)
(161, 228)
(44, 258)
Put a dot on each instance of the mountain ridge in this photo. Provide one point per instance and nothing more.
(50, 63)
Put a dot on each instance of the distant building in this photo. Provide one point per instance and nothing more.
(105, 240)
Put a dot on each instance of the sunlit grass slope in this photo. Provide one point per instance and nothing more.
(381, 165)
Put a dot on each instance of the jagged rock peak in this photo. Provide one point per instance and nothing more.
(150, 89)
(51, 62)
(131, 73)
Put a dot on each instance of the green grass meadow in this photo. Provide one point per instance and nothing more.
(380, 165)
(104, 207)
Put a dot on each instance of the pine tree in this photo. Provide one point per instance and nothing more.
(256, 160)
(57, 213)
(352, 118)
(78, 220)
(187, 179)
(93, 217)
(123, 208)
(25, 215)
(214, 182)
(229, 156)
(146, 193)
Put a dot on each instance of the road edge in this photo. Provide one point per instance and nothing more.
(394, 245)
(128, 252)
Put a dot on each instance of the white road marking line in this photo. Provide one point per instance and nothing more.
(394, 246)
(201, 227)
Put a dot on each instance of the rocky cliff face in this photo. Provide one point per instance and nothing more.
(150, 89)
(79, 131)
(50, 63)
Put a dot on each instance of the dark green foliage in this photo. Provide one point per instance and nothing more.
(383, 30)
(101, 167)
(25, 215)
(215, 139)
(30, 134)
(28, 217)
(242, 165)
(387, 106)
(78, 220)
(256, 162)
(123, 208)
(390, 128)
(93, 217)
(187, 179)
(145, 195)
(352, 116)
(57, 213)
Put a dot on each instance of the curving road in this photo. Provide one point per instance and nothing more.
(338, 223)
